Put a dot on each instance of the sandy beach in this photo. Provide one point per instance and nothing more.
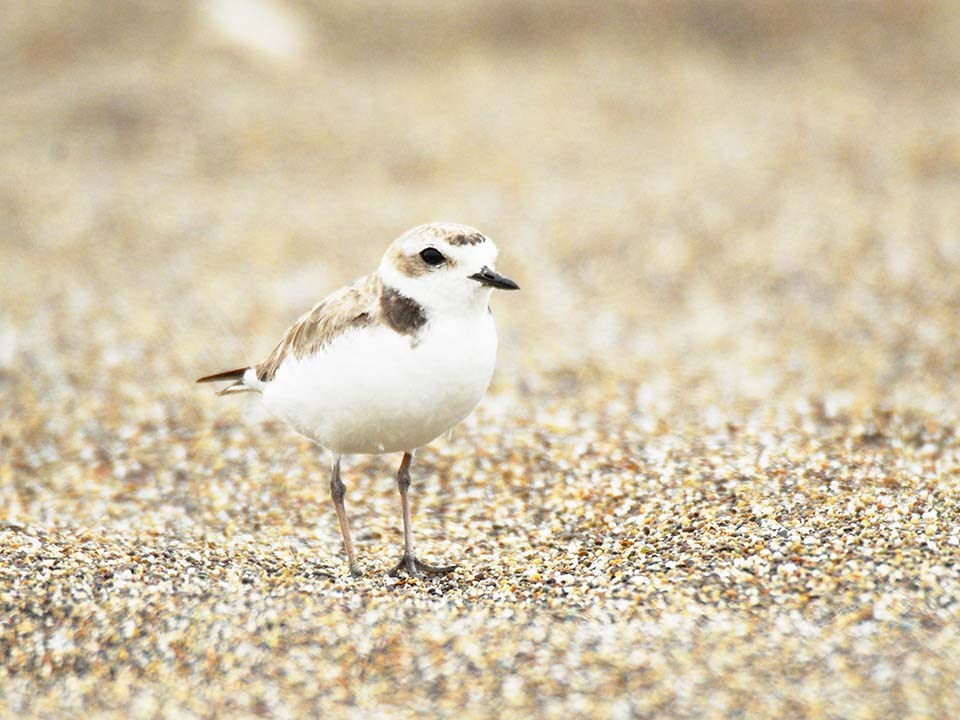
(717, 474)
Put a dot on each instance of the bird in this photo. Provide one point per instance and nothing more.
(388, 363)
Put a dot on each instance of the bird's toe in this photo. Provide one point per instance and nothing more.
(417, 569)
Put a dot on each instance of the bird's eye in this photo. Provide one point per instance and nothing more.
(432, 256)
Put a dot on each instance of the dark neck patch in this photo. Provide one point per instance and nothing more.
(401, 313)
(466, 239)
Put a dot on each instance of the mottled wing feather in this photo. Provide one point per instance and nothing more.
(356, 305)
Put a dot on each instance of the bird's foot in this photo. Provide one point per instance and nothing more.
(416, 569)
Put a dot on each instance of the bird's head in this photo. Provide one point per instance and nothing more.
(445, 267)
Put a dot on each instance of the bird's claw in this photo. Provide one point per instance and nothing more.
(417, 569)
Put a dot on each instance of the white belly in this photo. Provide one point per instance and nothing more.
(372, 391)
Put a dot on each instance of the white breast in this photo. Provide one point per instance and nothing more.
(373, 390)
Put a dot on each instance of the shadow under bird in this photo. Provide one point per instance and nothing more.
(390, 362)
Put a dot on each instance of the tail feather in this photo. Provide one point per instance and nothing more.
(237, 387)
(226, 375)
(244, 380)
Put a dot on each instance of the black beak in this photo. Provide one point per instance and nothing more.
(494, 279)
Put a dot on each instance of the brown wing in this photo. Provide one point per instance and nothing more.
(354, 306)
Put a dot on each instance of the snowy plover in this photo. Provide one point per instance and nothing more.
(388, 363)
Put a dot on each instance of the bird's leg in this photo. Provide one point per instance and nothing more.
(337, 491)
(409, 562)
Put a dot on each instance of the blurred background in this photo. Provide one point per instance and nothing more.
(723, 202)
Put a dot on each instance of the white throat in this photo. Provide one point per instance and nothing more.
(441, 296)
